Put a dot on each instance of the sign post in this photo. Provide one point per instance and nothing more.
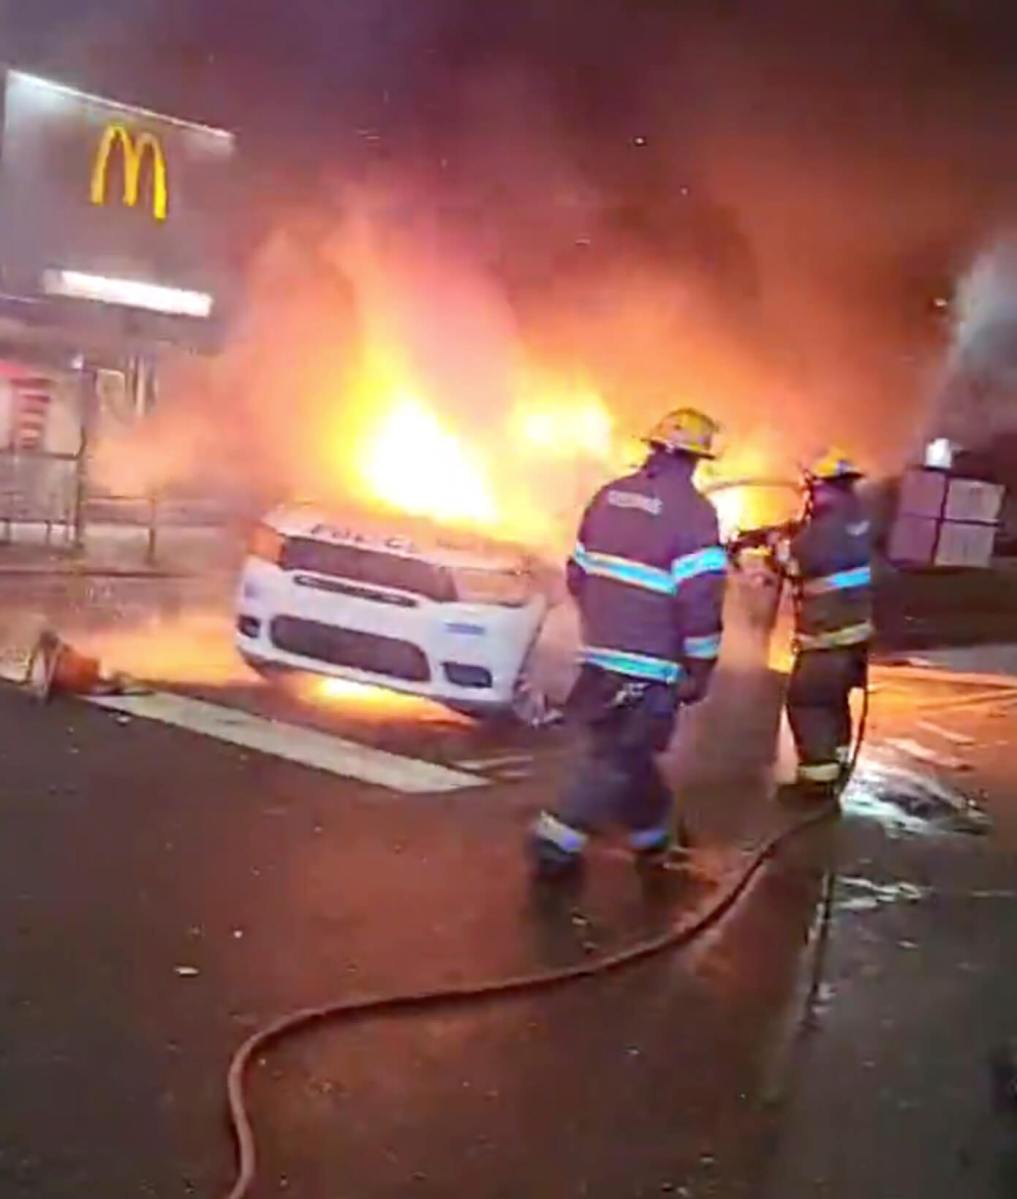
(86, 392)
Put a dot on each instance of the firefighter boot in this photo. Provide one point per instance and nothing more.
(661, 849)
(809, 795)
(555, 849)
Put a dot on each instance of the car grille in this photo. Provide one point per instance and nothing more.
(365, 593)
(349, 647)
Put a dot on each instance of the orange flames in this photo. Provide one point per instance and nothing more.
(522, 477)
(193, 649)
(413, 391)
(347, 697)
(412, 462)
(528, 475)
(566, 426)
(746, 490)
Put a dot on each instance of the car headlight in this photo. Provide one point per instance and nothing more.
(267, 544)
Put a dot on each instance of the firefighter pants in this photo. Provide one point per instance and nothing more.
(819, 709)
(628, 723)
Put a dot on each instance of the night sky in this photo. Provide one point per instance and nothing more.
(873, 69)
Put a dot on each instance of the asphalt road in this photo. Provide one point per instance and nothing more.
(163, 892)
(890, 1094)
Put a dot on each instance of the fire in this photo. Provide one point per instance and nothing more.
(751, 504)
(733, 510)
(363, 699)
(193, 649)
(572, 426)
(746, 490)
(519, 478)
(341, 689)
(739, 506)
(528, 475)
(549, 443)
(413, 463)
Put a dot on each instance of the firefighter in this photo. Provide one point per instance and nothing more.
(829, 560)
(648, 576)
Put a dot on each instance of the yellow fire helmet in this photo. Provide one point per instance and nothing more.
(686, 430)
(831, 465)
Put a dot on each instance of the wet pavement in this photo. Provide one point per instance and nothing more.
(891, 1091)
(161, 902)
(163, 893)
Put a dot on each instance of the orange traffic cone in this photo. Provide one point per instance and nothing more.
(55, 667)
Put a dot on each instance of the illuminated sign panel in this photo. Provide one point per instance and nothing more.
(112, 207)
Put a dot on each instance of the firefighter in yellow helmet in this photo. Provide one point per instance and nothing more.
(686, 430)
(647, 574)
(829, 561)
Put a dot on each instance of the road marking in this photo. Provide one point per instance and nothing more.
(308, 747)
(915, 749)
(491, 763)
(937, 674)
(946, 734)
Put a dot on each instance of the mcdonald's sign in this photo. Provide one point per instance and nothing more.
(137, 150)
(73, 167)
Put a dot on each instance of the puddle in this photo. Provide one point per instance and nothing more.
(905, 801)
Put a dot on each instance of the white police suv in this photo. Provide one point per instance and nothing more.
(445, 615)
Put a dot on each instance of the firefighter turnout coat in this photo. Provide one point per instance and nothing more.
(648, 575)
(830, 563)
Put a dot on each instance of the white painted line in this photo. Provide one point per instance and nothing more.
(491, 763)
(991, 699)
(946, 734)
(939, 674)
(922, 753)
(308, 747)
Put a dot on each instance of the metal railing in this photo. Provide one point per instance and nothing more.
(39, 489)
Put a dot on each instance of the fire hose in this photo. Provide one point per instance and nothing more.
(469, 993)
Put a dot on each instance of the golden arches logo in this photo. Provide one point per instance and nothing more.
(136, 151)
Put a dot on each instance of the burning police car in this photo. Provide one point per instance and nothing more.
(447, 616)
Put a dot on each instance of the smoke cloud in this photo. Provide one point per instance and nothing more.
(976, 401)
